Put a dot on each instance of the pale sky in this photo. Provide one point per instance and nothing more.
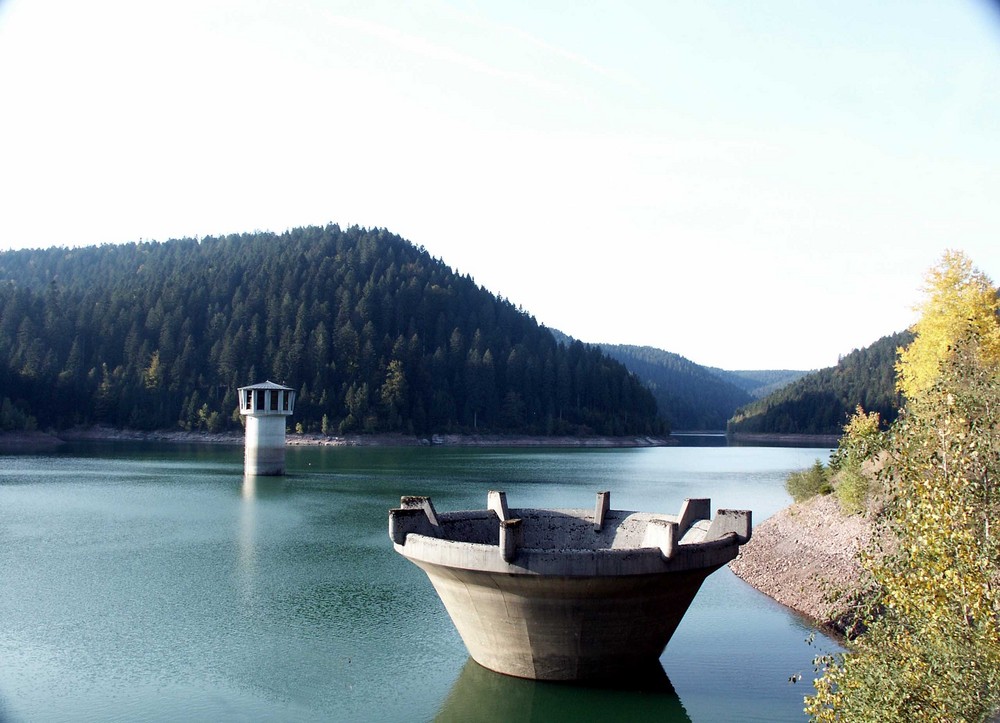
(748, 184)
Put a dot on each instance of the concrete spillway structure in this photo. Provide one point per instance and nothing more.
(566, 594)
(265, 407)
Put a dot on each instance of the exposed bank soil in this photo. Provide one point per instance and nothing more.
(806, 557)
(28, 441)
(101, 433)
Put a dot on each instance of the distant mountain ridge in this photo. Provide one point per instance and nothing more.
(759, 383)
(692, 397)
(822, 401)
(780, 401)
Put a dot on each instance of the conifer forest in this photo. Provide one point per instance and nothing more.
(373, 333)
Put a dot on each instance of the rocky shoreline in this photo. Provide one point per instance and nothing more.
(806, 558)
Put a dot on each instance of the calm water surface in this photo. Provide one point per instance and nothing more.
(155, 583)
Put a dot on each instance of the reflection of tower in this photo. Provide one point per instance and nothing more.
(247, 567)
(265, 406)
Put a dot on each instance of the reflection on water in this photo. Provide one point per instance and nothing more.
(254, 490)
(482, 695)
(256, 487)
(247, 566)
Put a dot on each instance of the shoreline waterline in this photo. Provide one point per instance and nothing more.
(39, 440)
(15, 441)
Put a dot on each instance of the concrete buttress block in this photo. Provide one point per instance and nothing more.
(497, 501)
(601, 509)
(692, 510)
(726, 521)
(662, 534)
(414, 502)
(511, 535)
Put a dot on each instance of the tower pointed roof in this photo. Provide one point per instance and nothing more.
(268, 385)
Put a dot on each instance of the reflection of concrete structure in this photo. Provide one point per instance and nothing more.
(566, 594)
(479, 694)
(265, 406)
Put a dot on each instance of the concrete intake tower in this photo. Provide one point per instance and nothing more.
(265, 407)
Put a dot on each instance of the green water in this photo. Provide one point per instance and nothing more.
(154, 583)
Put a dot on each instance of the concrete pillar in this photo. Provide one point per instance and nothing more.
(266, 407)
(264, 451)
(601, 509)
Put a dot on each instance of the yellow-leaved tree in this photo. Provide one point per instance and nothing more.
(960, 300)
(931, 651)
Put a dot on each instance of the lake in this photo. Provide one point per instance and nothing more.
(155, 583)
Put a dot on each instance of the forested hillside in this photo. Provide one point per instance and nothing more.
(373, 333)
(821, 402)
(690, 396)
(759, 383)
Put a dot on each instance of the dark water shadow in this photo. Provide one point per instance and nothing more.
(5, 716)
(482, 695)
(699, 439)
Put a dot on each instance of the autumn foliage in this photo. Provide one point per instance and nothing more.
(932, 648)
